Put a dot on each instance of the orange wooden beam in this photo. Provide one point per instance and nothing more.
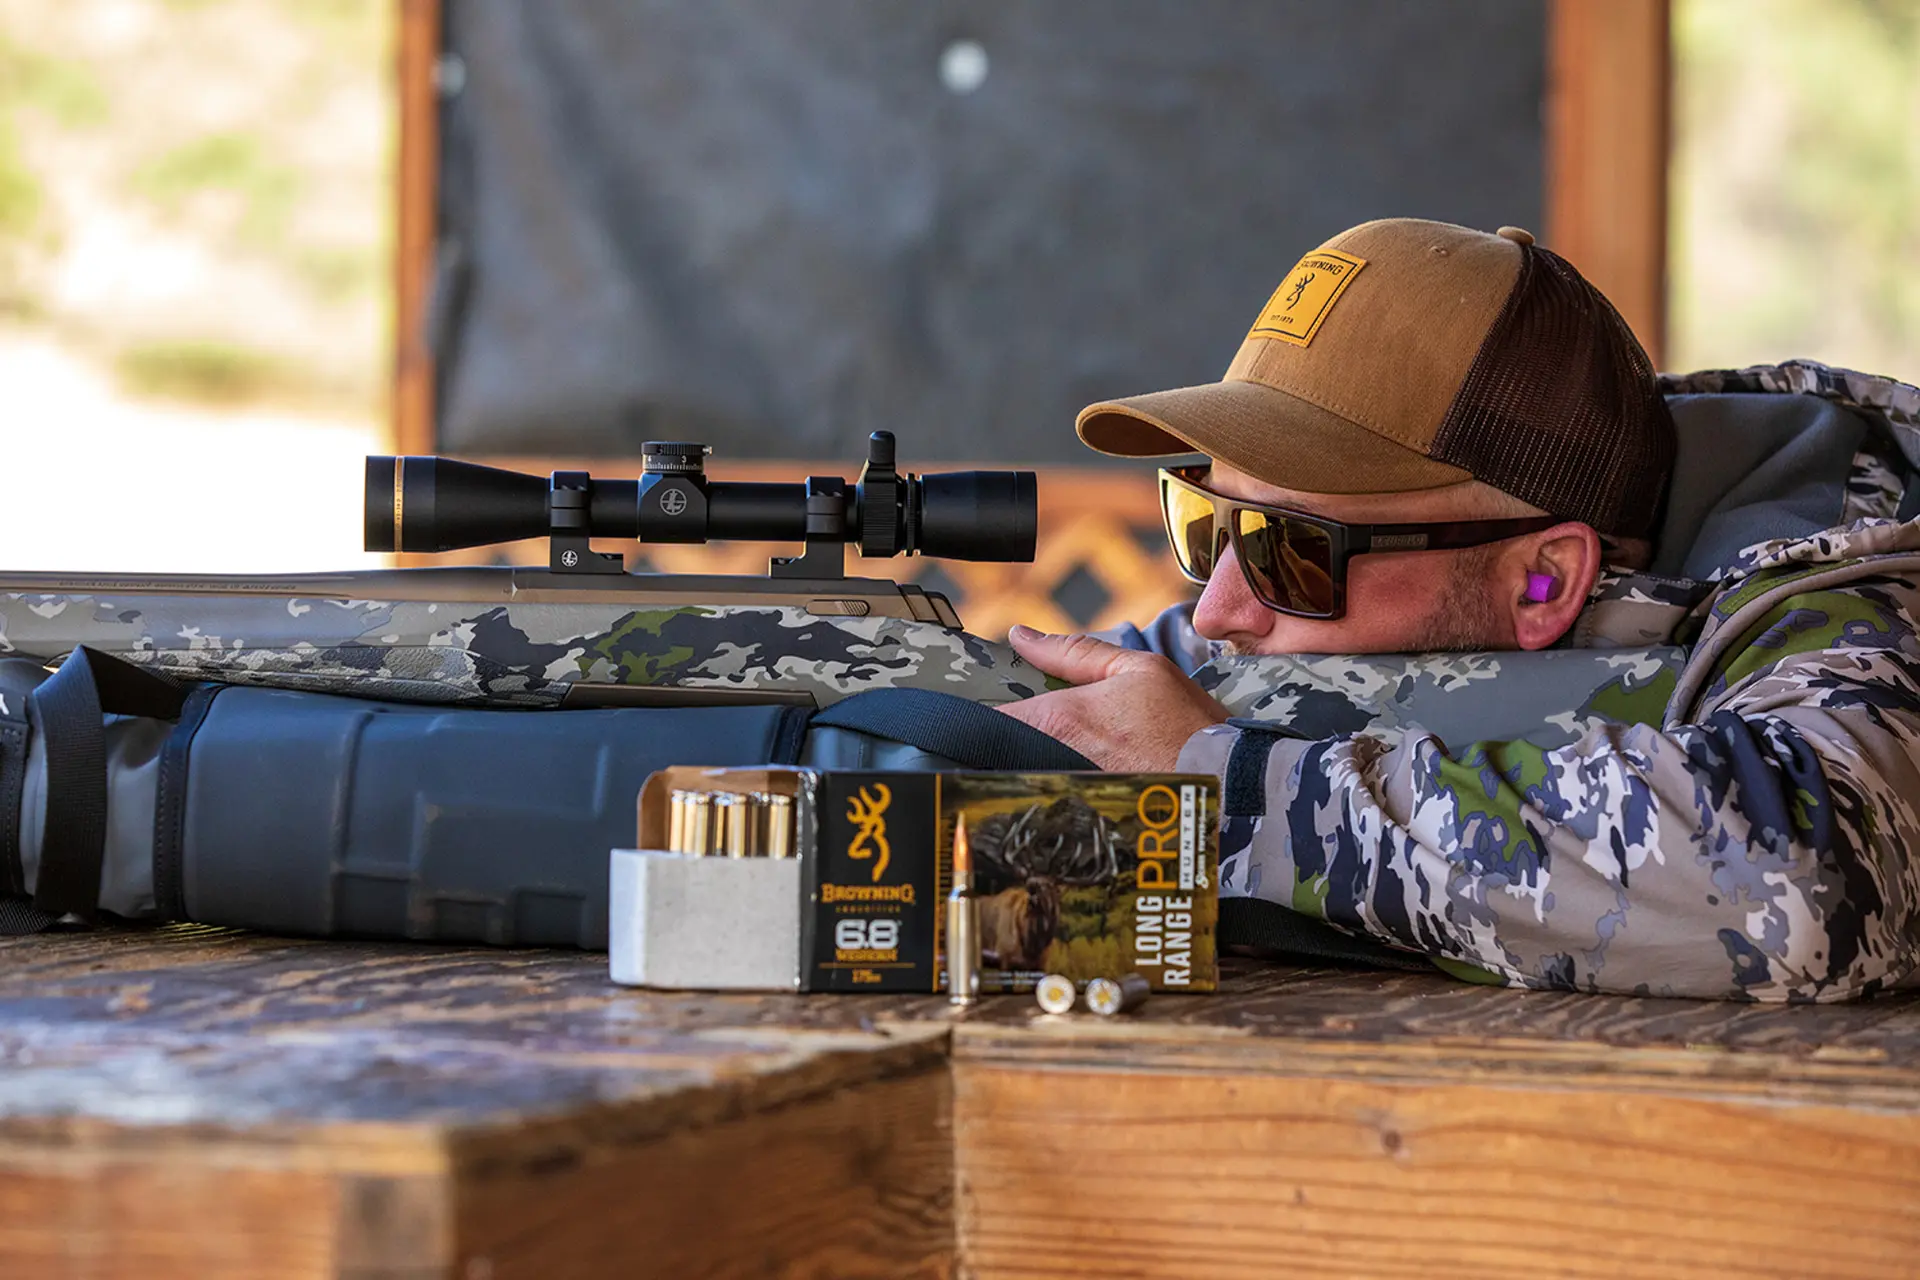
(1609, 96)
(417, 92)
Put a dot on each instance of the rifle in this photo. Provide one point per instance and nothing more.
(583, 631)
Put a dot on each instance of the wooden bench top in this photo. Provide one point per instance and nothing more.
(225, 1104)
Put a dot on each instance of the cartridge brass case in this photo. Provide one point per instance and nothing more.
(963, 924)
(1055, 993)
(1111, 996)
(776, 824)
(732, 825)
(690, 822)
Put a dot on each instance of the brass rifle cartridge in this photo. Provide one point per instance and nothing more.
(1055, 993)
(690, 822)
(732, 825)
(963, 924)
(776, 823)
(1110, 996)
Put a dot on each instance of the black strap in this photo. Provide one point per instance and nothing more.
(970, 735)
(790, 735)
(13, 789)
(66, 712)
(1255, 922)
(170, 805)
(1244, 793)
(17, 916)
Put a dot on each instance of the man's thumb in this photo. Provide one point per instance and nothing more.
(1080, 659)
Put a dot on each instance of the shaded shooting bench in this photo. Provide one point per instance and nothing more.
(191, 1102)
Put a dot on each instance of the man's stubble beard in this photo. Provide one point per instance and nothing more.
(1469, 617)
(1467, 620)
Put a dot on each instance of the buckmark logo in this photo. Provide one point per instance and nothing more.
(1300, 287)
(1297, 308)
(866, 811)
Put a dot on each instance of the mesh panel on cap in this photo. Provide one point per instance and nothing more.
(1560, 408)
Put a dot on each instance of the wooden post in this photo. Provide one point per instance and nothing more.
(1608, 127)
(417, 92)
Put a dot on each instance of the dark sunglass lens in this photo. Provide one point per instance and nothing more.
(1189, 528)
(1289, 562)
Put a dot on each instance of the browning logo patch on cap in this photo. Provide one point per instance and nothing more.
(1294, 312)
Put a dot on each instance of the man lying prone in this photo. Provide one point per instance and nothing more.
(1437, 440)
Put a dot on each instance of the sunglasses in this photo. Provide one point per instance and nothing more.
(1295, 562)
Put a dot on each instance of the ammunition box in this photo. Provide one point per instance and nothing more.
(1084, 875)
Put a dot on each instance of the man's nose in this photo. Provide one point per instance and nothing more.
(1227, 609)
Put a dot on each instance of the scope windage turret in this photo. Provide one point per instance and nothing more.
(438, 504)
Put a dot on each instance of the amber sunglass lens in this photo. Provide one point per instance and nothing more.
(1288, 562)
(1189, 527)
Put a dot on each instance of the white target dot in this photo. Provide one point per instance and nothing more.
(963, 66)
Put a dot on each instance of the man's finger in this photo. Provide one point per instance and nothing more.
(1077, 658)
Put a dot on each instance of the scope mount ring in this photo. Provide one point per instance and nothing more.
(569, 498)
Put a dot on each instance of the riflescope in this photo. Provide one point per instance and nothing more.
(438, 504)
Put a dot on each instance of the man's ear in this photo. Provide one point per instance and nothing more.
(1569, 556)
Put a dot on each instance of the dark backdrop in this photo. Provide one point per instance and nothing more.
(772, 225)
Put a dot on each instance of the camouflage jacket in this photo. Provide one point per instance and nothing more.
(1725, 805)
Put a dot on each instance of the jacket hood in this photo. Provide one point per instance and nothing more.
(1788, 464)
(1785, 464)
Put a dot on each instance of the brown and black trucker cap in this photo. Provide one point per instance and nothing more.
(1406, 354)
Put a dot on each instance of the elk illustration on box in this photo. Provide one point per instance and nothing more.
(1028, 860)
(1089, 876)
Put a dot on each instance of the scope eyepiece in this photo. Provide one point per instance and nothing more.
(440, 504)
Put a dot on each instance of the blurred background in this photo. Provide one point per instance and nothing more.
(244, 243)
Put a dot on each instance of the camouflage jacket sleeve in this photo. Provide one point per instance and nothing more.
(1758, 851)
(1170, 634)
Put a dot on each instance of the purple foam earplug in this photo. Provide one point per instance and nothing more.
(1542, 587)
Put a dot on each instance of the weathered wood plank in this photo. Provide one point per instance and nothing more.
(1069, 1172)
(191, 1102)
(855, 1183)
(176, 1101)
(194, 1026)
(1362, 1124)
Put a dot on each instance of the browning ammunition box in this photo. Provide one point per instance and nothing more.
(1085, 875)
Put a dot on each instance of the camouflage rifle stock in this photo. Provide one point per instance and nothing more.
(581, 632)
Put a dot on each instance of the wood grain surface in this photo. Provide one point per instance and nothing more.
(1358, 1124)
(198, 1102)
(195, 1102)
(1090, 1172)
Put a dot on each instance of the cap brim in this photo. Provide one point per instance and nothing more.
(1268, 434)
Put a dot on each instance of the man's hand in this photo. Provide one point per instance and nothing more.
(1133, 710)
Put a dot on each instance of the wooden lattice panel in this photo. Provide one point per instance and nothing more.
(1102, 558)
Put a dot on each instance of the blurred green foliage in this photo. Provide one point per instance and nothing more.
(236, 163)
(20, 193)
(227, 139)
(1796, 183)
(70, 95)
(66, 89)
(205, 372)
